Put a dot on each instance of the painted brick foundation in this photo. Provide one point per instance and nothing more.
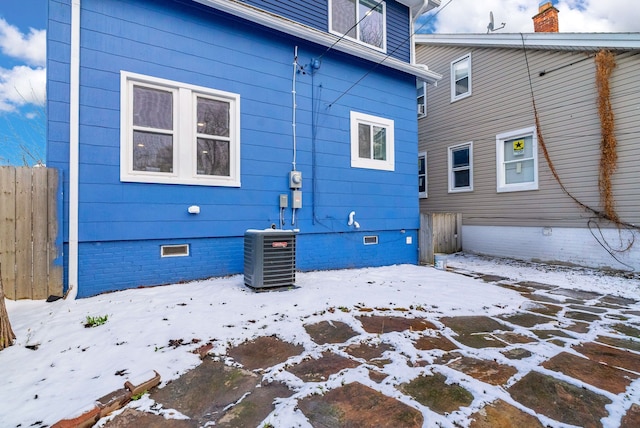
(119, 265)
(557, 245)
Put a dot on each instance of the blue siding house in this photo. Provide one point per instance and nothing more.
(179, 124)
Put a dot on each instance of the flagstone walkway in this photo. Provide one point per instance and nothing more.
(543, 366)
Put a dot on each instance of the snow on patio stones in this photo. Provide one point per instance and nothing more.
(358, 406)
(632, 418)
(476, 331)
(437, 393)
(500, 414)
(596, 374)
(560, 400)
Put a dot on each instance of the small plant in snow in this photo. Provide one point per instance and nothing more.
(95, 321)
(138, 396)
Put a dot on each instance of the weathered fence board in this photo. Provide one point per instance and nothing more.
(28, 232)
(439, 233)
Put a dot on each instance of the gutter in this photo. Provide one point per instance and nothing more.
(322, 38)
(549, 41)
(74, 148)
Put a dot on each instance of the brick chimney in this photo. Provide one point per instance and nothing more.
(546, 21)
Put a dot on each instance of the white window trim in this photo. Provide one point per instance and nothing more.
(358, 18)
(422, 107)
(450, 168)
(184, 145)
(425, 194)
(358, 162)
(455, 97)
(501, 185)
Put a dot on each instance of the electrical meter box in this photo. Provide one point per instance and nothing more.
(295, 179)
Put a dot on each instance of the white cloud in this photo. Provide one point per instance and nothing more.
(20, 86)
(472, 16)
(31, 47)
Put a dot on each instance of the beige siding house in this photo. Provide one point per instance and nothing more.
(484, 157)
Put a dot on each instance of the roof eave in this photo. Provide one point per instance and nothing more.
(418, 7)
(556, 41)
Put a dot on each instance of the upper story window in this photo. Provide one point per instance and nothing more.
(460, 166)
(461, 78)
(372, 142)
(422, 175)
(176, 133)
(421, 98)
(360, 20)
(517, 160)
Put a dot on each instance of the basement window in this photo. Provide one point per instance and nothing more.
(174, 250)
(370, 240)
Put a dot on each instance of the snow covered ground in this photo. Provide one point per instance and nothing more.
(58, 366)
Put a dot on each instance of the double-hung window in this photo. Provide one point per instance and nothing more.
(461, 78)
(372, 142)
(422, 175)
(517, 160)
(460, 166)
(421, 98)
(360, 20)
(176, 133)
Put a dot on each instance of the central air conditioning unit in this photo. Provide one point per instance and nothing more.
(269, 258)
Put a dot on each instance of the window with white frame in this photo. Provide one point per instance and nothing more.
(176, 133)
(372, 142)
(461, 78)
(360, 20)
(421, 98)
(460, 166)
(517, 160)
(422, 175)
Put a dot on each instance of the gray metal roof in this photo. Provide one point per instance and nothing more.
(548, 41)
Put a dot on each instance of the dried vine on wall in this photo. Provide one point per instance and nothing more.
(605, 63)
(604, 67)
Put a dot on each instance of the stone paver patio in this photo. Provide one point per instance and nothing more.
(571, 376)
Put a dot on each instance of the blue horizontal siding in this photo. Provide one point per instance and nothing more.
(315, 14)
(197, 45)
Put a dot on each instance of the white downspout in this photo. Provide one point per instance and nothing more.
(74, 148)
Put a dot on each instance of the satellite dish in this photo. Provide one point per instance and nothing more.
(491, 26)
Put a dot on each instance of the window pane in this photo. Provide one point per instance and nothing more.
(461, 178)
(422, 165)
(372, 22)
(213, 157)
(152, 108)
(343, 17)
(519, 172)
(379, 143)
(518, 148)
(213, 117)
(152, 152)
(460, 157)
(422, 184)
(461, 76)
(462, 86)
(461, 69)
(364, 141)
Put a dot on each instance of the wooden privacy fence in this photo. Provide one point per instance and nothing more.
(30, 261)
(439, 233)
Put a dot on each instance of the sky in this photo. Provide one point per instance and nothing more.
(23, 52)
(57, 367)
(22, 81)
